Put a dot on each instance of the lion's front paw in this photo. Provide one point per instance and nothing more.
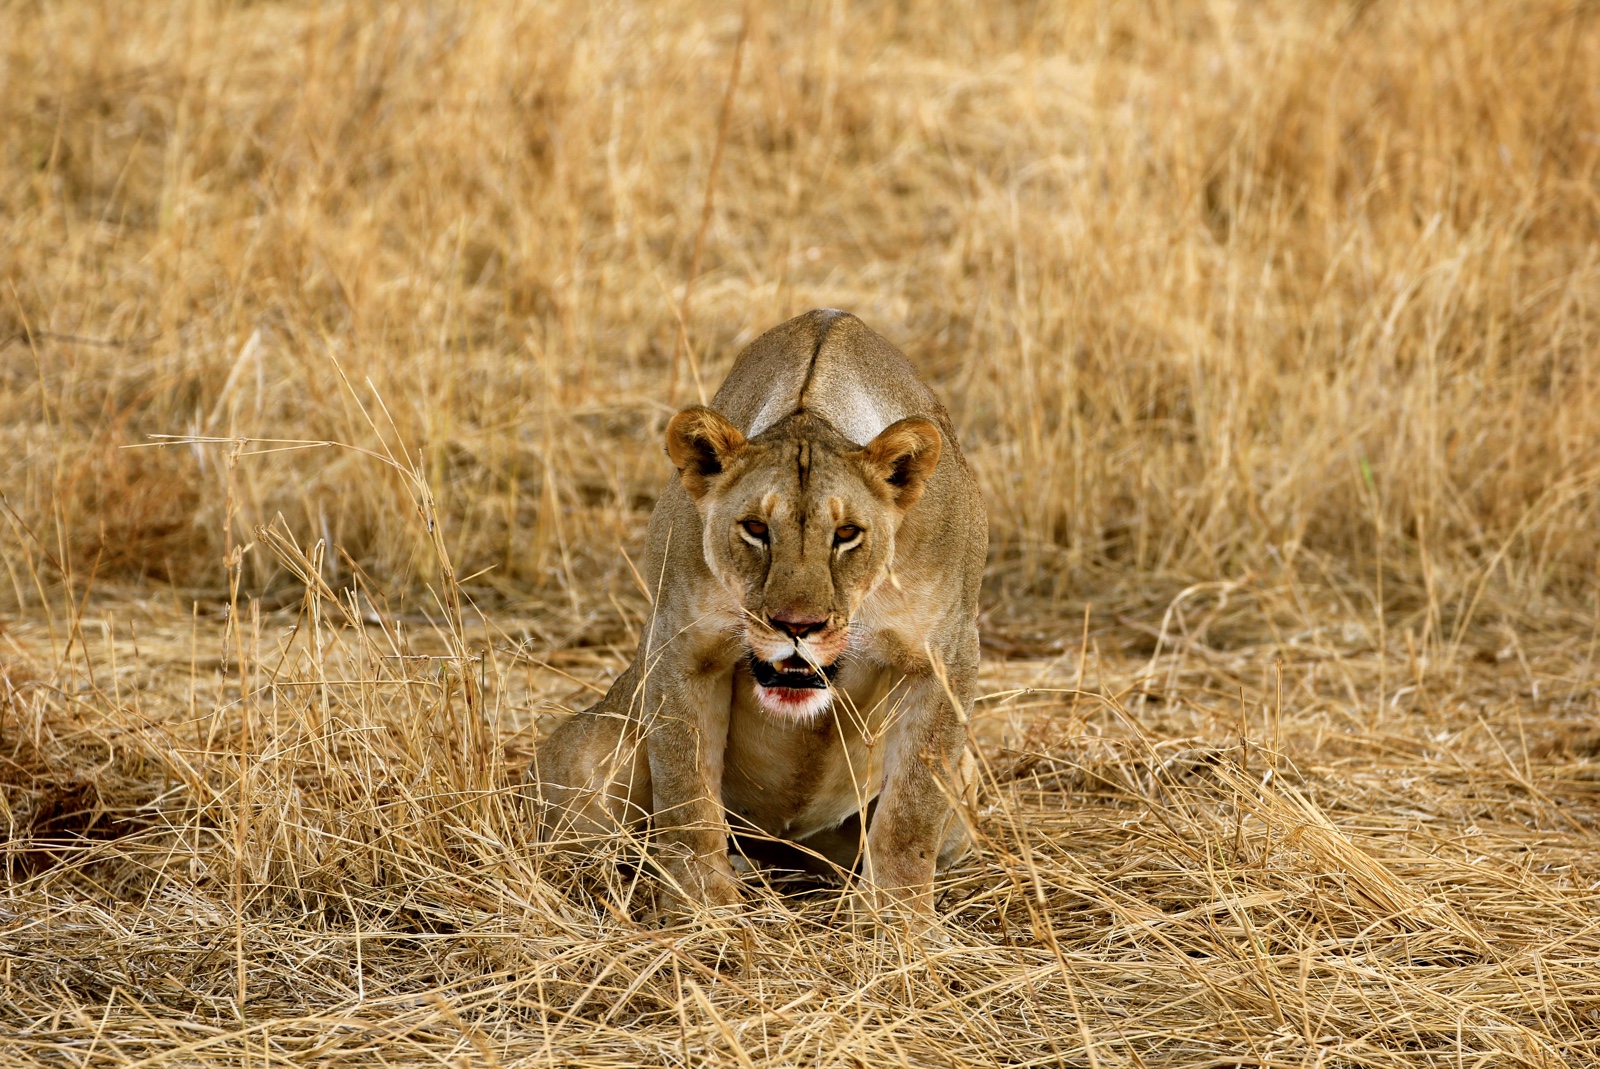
(909, 915)
(698, 880)
(720, 889)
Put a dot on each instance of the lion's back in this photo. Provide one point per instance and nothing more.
(832, 365)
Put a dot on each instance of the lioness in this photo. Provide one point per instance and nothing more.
(813, 642)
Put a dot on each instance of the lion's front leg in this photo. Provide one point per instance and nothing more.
(914, 827)
(589, 778)
(687, 736)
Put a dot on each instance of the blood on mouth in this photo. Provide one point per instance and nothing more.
(792, 685)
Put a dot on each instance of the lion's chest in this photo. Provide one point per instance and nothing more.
(793, 779)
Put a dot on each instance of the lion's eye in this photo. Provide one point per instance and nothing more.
(755, 529)
(848, 532)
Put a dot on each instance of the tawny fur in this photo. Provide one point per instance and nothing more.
(821, 423)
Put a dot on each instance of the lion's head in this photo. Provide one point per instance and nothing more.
(799, 526)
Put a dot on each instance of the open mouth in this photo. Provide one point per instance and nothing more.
(791, 673)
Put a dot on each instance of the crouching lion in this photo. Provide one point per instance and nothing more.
(812, 649)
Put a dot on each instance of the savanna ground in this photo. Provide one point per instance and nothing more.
(336, 344)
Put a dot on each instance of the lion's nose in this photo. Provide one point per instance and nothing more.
(797, 626)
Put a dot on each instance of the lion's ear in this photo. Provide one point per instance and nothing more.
(701, 442)
(904, 455)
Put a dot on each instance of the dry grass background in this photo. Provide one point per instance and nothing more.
(1269, 327)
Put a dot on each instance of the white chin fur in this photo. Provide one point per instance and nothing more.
(794, 704)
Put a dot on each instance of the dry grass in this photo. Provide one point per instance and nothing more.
(334, 868)
(1269, 327)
